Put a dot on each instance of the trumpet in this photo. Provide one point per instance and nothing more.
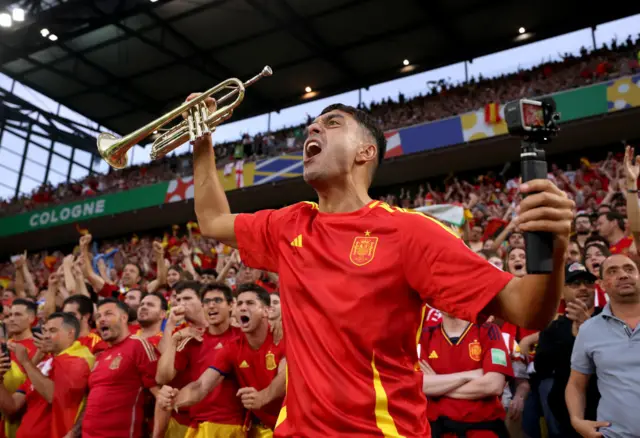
(199, 122)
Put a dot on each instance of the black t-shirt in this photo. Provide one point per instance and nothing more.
(553, 360)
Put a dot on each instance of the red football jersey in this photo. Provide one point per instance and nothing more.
(153, 340)
(221, 405)
(120, 375)
(478, 347)
(353, 287)
(69, 372)
(622, 246)
(252, 368)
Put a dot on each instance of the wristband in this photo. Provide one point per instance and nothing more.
(632, 190)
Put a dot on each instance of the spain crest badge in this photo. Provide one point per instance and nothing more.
(475, 350)
(363, 249)
(115, 363)
(270, 360)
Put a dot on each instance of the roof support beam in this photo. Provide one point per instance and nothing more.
(303, 32)
(17, 112)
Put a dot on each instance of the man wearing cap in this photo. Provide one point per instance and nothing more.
(553, 354)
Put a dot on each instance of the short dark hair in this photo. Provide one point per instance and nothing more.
(163, 301)
(604, 249)
(367, 122)
(69, 320)
(226, 291)
(595, 238)
(188, 284)
(261, 292)
(614, 216)
(211, 272)
(30, 305)
(85, 305)
(119, 304)
(579, 215)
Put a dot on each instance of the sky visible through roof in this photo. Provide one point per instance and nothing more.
(507, 61)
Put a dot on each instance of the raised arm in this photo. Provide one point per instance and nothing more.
(158, 255)
(631, 172)
(211, 204)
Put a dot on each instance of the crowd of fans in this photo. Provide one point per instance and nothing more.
(441, 100)
(154, 274)
(167, 317)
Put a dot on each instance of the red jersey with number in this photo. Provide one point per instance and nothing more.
(69, 372)
(479, 347)
(221, 405)
(120, 376)
(252, 368)
(353, 287)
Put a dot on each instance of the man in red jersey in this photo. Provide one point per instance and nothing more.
(151, 312)
(81, 307)
(255, 361)
(55, 389)
(132, 274)
(119, 378)
(350, 342)
(190, 354)
(610, 225)
(187, 315)
(22, 315)
(465, 368)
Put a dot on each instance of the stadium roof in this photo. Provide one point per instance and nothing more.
(123, 63)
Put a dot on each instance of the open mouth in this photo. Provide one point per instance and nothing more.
(596, 266)
(244, 320)
(518, 266)
(213, 313)
(311, 149)
(104, 330)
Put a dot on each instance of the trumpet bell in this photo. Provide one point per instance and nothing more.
(117, 157)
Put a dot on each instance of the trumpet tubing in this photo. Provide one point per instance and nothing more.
(199, 122)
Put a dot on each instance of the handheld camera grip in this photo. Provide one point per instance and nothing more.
(539, 245)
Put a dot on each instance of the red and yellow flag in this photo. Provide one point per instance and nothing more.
(72, 381)
(492, 113)
(82, 231)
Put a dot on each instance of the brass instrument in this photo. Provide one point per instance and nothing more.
(199, 122)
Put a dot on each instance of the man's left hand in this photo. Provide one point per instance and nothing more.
(251, 398)
(546, 209)
(20, 351)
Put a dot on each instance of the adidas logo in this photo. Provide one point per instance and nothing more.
(244, 364)
(219, 346)
(297, 242)
(433, 355)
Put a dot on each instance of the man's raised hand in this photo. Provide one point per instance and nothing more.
(546, 209)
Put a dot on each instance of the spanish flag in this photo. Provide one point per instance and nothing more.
(5, 282)
(72, 368)
(586, 162)
(492, 113)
